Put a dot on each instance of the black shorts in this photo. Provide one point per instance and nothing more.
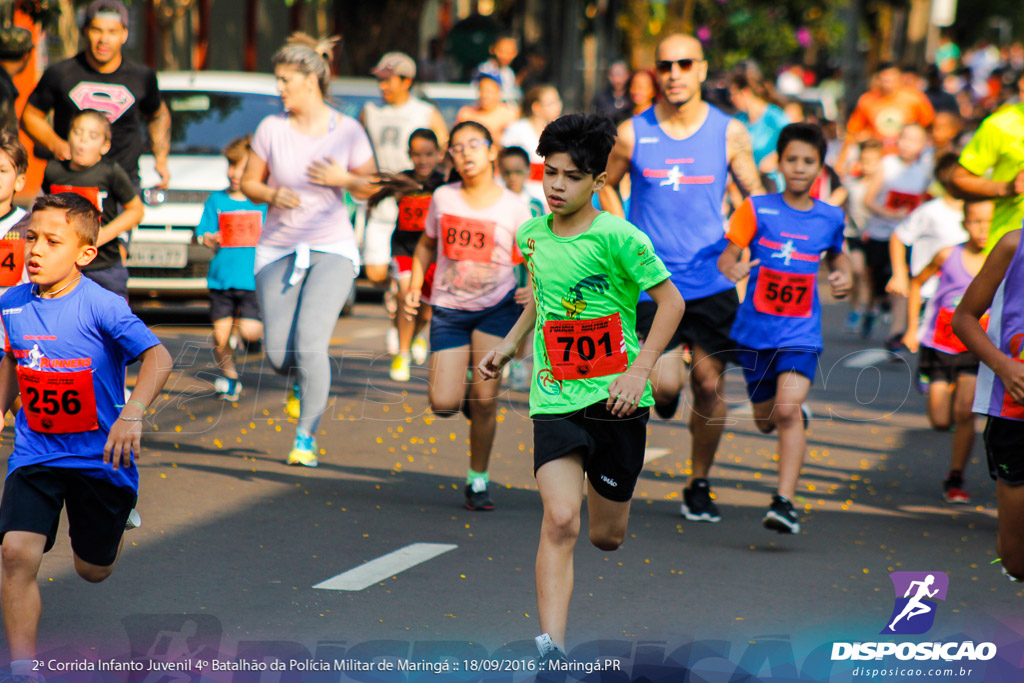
(937, 366)
(876, 256)
(613, 447)
(234, 303)
(1004, 446)
(854, 244)
(97, 510)
(707, 323)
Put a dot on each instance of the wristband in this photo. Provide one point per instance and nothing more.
(129, 419)
(138, 403)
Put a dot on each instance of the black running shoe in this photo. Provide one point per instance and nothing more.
(478, 500)
(666, 411)
(781, 516)
(697, 504)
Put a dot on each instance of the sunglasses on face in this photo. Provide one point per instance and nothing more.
(472, 143)
(664, 66)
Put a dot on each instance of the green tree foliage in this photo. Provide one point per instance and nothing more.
(770, 31)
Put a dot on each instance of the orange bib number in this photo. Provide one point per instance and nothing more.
(90, 193)
(467, 239)
(240, 228)
(12, 262)
(788, 295)
(58, 402)
(943, 337)
(902, 200)
(581, 349)
(412, 213)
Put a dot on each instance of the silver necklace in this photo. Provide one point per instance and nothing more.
(50, 295)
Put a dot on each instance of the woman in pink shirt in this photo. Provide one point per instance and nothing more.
(302, 163)
(470, 231)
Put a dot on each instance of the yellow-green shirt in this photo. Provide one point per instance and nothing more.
(595, 274)
(999, 145)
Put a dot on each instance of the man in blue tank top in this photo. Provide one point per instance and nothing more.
(679, 154)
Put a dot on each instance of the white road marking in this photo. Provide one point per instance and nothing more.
(652, 454)
(867, 358)
(386, 566)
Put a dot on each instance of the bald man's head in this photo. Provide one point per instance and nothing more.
(680, 42)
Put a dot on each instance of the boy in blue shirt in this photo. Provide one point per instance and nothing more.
(778, 325)
(68, 342)
(231, 226)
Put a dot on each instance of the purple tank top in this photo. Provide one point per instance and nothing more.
(936, 330)
(1006, 330)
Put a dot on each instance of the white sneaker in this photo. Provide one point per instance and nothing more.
(391, 341)
(520, 376)
(419, 350)
(134, 520)
(400, 368)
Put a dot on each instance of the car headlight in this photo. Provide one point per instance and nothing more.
(154, 196)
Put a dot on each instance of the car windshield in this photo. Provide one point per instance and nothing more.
(204, 122)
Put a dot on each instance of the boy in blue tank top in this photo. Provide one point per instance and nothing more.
(778, 325)
(76, 437)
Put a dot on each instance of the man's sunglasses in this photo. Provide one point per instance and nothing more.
(664, 66)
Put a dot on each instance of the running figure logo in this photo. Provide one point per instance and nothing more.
(35, 358)
(914, 610)
(786, 252)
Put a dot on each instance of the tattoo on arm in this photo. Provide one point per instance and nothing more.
(160, 131)
(741, 160)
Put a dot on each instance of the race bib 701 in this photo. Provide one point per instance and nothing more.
(581, 349)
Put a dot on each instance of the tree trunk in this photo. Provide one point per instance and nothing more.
(367, 27)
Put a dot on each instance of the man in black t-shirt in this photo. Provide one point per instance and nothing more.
(107, 186)
(99, 78)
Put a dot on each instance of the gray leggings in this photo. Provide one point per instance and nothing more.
(298, 321)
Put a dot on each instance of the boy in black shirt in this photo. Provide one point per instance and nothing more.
(107, 186)
(100, 78)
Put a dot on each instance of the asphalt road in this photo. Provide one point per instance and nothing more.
(233, 542)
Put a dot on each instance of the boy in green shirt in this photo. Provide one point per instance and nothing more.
(590, 397)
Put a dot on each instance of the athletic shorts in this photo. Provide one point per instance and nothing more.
(451, 327)
(112, 278)
(706, 323)
(234, 303)
(97, 510)
(854, 244)
(1004, 446)
(401, 267)
(937, 366)
(404, 242)
(876, 256)
(377, 234)
(612, 447)
(762, 367)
